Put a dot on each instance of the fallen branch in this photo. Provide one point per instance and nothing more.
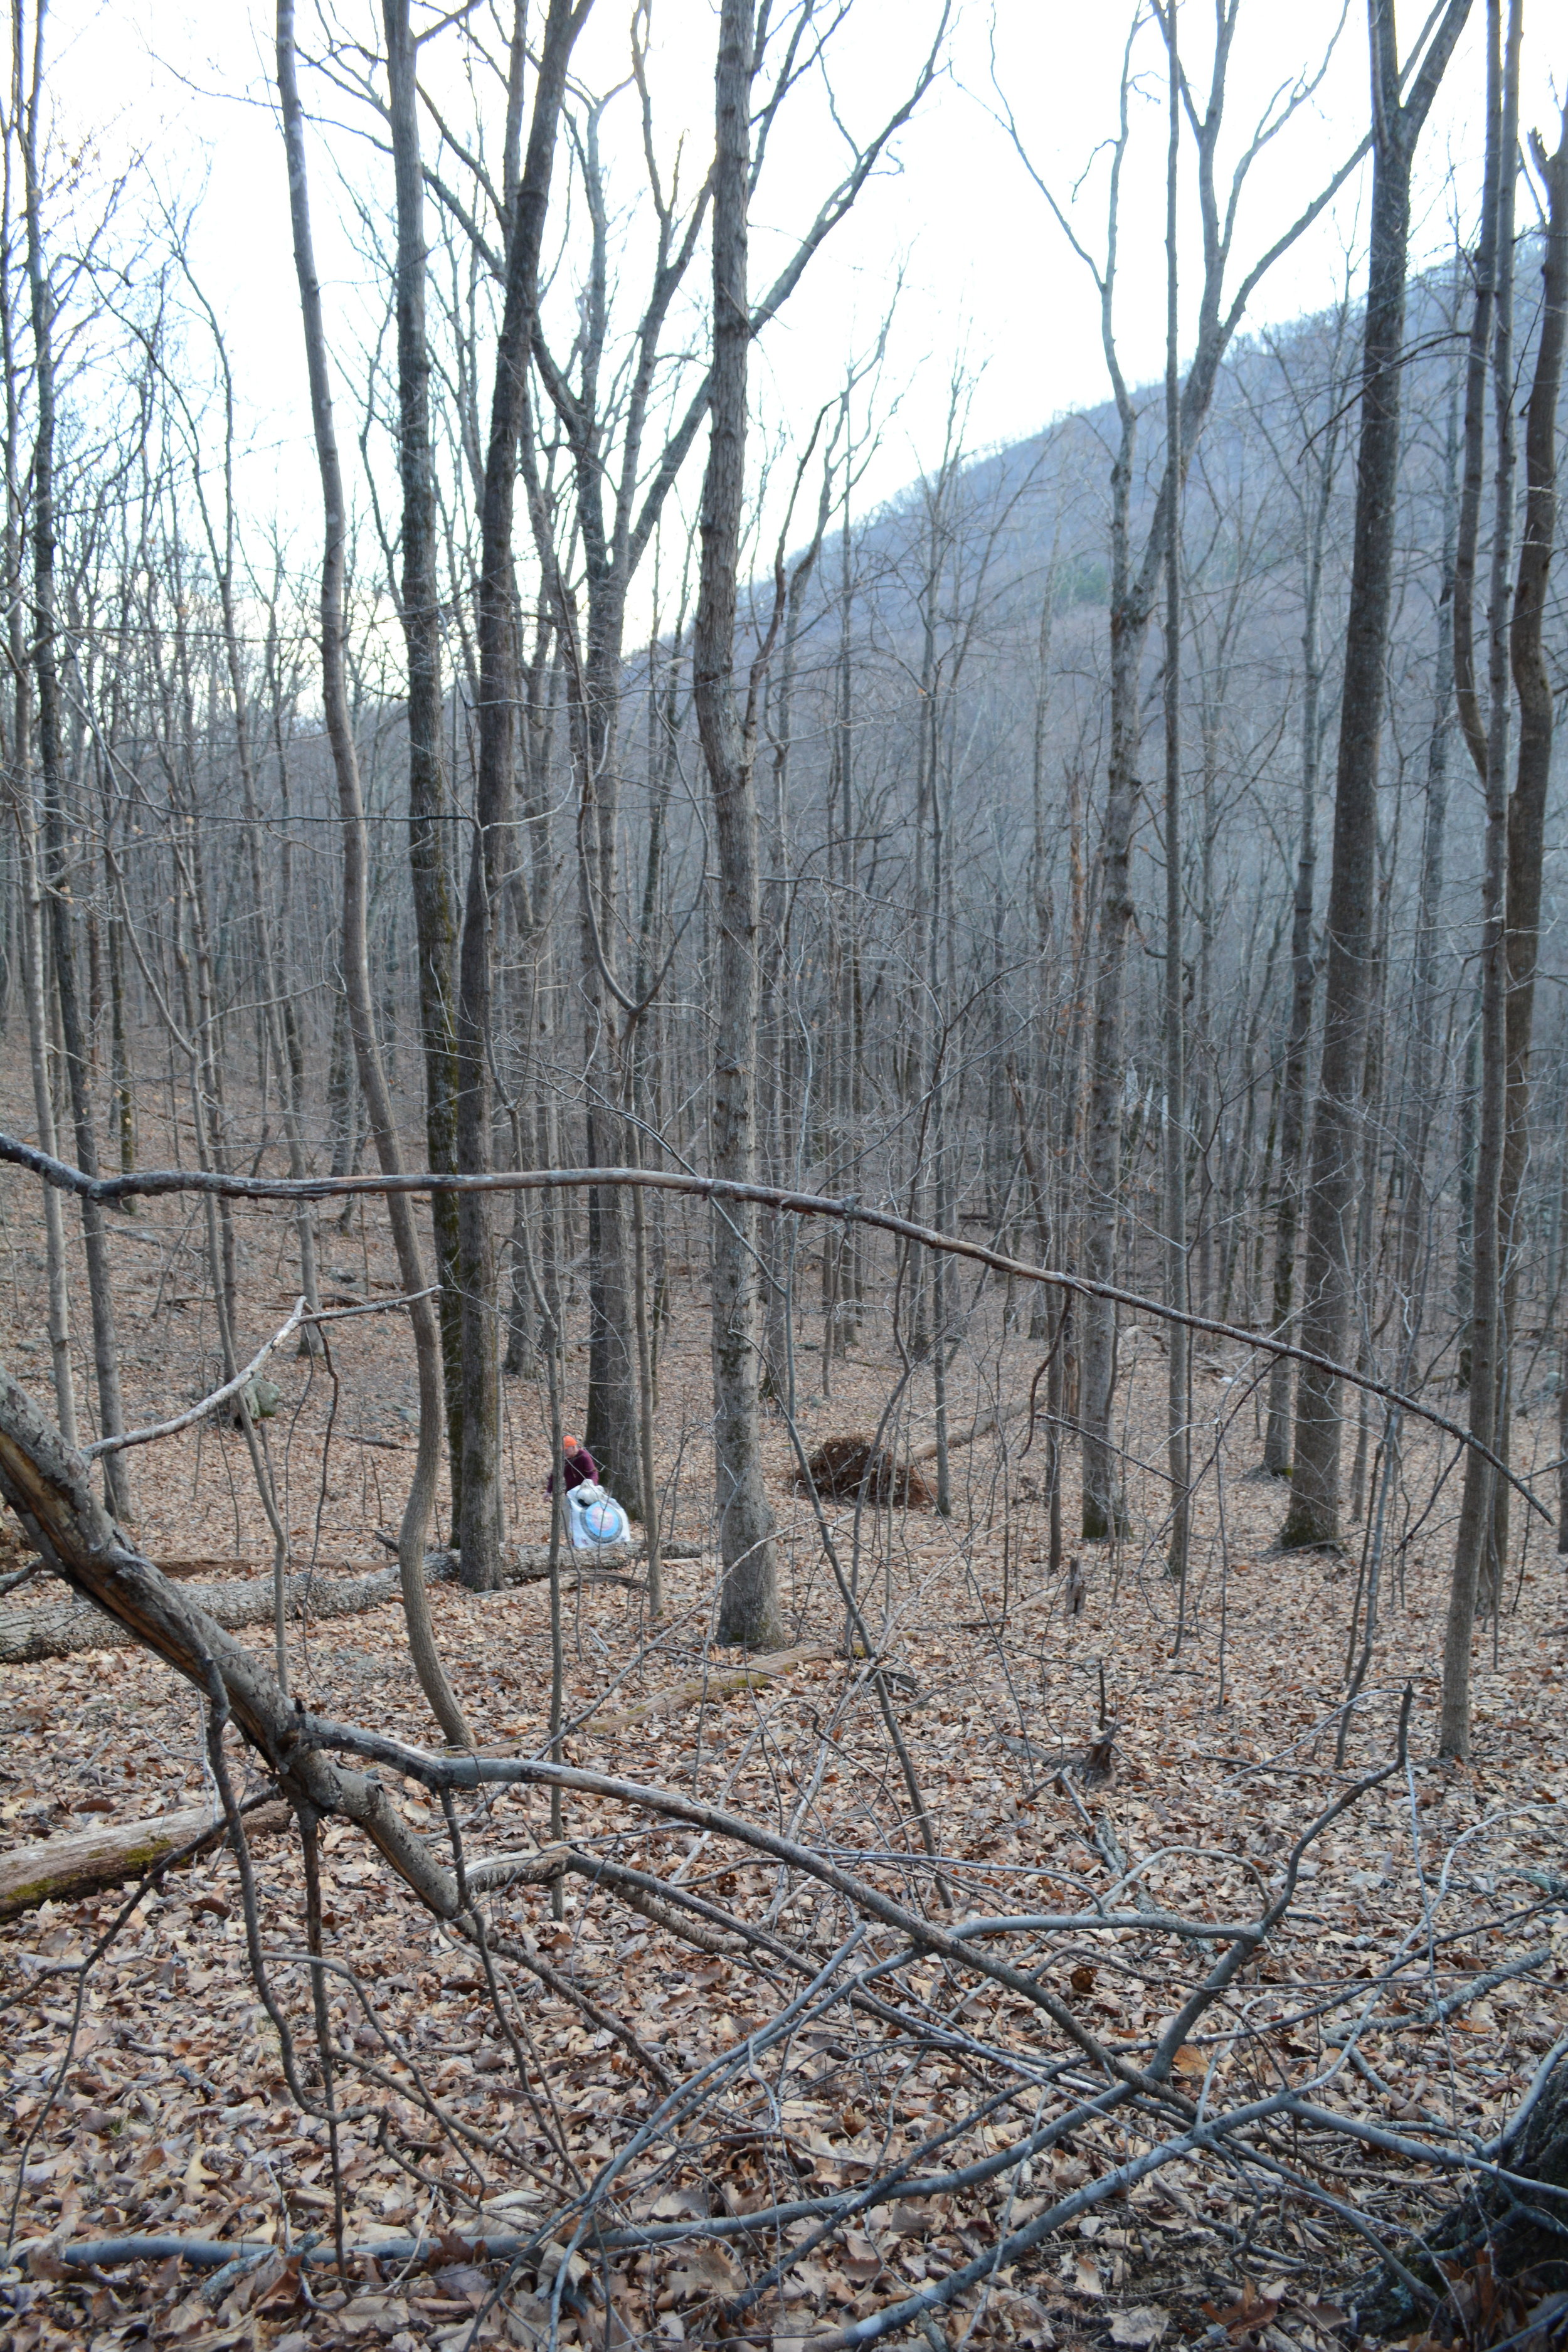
(752, 1676)
(928, 1453)
(66, 1869)
(188, 1419)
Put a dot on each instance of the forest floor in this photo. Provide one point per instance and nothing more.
(160, 2105)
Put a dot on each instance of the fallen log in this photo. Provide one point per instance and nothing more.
(755, 1672)
(65, 1869)
(58, 1628)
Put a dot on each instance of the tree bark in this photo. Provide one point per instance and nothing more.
(1527, 802)
(1485, 719)
(479, 1526)
(1416, 1125)
(1178, 1343)
(353, 948)
(1515, 832)
(57, 864)
(429, 800)
(68, 1869)
(749, 1613)
(1303, 974)
(1497, 2217)
(1314, 1513)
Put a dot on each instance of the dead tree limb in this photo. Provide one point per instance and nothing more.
(66, 1869)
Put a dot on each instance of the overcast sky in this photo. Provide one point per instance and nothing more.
(987, 279)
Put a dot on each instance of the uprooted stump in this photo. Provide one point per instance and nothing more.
(844, 1467)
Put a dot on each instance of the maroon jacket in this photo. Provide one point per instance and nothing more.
(581, 1471)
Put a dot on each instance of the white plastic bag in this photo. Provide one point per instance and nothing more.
(593, 1517)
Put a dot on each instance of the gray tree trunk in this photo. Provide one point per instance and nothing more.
(46, 669)
(429, 802)
(1178, 1339)
(749, 1613)
(479, 1526)
(416, 1521)
(1527, 802)
(1314, 1513)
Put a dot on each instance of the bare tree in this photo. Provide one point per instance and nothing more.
(56, 857)
(749, 1613)
(430, 807)
(1134, 589)
(479, 1526)
(355, 964)
(1313, 1516)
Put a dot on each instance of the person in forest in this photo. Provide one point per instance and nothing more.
(578, 1467)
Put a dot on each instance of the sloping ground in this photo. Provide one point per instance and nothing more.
(167, 2112)
(173, 2117)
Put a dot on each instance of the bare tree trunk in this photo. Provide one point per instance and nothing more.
(45, 666)
(35, 981)
(1527, 804)
(749, 1613)
(355, 964)
(30, 926)
(1416, 1125)
(1178, 1343)
(1314, 1513)
(429, 800)
(478, 1529)
(1486, 721)
(1303, 981)
(1515, 831)
(1102, 1504)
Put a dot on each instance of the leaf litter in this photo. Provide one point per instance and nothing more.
(159, 2106)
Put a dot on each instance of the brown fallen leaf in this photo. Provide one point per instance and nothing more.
(1245, 2316)
(709, 2271)
(912, 2221)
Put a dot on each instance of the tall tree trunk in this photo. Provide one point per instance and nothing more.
(1416, 1124)
(1102, 1504)
(749, 1611)
(1303, 982)
(415, 1522)
(1515, 826)
(1314, 1513)
(613, 1427)
(1178, 1343)
(429, 800)
(45, 670)
(34, 976)
(479, 1527)
(1485, 716)
(1527, 804)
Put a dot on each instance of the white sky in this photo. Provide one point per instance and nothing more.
(987, 278)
